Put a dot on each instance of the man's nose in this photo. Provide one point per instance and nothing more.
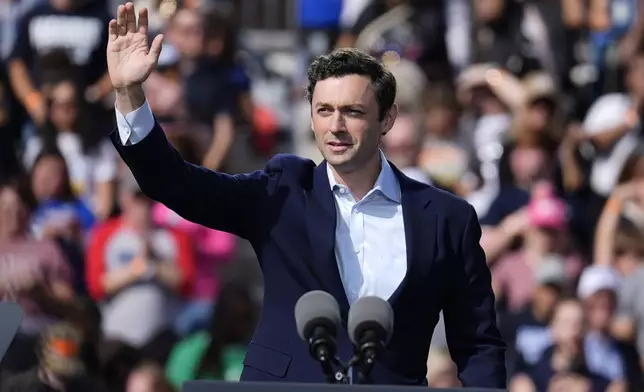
(337, 122)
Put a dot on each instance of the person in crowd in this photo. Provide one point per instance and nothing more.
(210, 89)
(62, 366)
(59, 213)
(527, 331)
(612, 127)
(528, 156)
(545, 238)
(79, 28)
(628, 325)
(34, 273)
(488, 95)
(218, 353)
(444, 155)
(614, 360)
(140, 273)
(70, 127)
(564, 363)
(626, 204)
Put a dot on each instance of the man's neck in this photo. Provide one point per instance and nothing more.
(362, 180)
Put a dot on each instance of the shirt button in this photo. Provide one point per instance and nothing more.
(357, 250)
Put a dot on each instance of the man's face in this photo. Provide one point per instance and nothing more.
(345, 121)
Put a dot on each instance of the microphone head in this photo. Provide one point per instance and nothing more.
(370, 313)
(316, 309)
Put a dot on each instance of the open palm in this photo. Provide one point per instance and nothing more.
(129, 60)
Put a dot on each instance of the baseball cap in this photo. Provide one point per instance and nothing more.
(597, 278)
(551, 271)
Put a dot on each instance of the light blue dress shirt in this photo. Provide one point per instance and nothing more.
(370, 246)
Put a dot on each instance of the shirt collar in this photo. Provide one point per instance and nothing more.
(387, 182)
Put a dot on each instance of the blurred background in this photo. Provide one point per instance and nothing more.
(529, 109)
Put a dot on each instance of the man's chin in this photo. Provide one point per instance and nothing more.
(337, 160)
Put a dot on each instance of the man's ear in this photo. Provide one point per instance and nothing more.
(390, 119)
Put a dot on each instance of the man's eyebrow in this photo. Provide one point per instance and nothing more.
(345, 106)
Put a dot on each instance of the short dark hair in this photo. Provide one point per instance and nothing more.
(349, 61)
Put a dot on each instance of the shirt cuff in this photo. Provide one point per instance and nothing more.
(134, 126)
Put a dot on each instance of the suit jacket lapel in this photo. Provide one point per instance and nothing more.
(419, 234)
(321, 222)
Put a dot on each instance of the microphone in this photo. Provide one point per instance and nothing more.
(370, 326)
(317, 316)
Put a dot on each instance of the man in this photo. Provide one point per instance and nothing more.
(352, 226)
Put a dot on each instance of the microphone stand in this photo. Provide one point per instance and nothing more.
(323, 349)
(326, 360)
(365, 358)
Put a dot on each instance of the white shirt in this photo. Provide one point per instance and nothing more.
(370, 246)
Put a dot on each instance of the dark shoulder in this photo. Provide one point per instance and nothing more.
(290, 165)
(448, 204)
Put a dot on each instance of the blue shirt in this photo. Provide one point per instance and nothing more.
(55, 209)
(370, 246)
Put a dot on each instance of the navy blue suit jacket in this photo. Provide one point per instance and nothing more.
(287, 212)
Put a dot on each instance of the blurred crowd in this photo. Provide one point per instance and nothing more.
(529, 109)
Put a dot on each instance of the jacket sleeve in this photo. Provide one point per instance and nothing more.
(473, 338)
(230, 203)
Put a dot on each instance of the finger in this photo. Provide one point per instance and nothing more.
(113, 29)
(143, 21)
(121, 20)
(155, 48)
(130, 17)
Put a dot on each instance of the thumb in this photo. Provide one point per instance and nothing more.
(155, 48)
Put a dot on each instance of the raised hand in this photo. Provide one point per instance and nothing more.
(129, 60)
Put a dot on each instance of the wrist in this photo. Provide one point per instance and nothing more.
(130, 98)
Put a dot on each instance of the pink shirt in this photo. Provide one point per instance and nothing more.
(514, 277)
(41, 260)
(214, 248)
